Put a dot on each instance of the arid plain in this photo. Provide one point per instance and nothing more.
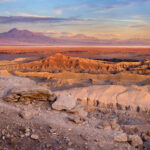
(95, 52)
(75, 98)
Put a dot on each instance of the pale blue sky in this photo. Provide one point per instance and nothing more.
(105, 19)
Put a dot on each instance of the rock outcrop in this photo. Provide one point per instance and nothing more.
(30, 94)
(59, 63)
(15, 89)
(8, 83)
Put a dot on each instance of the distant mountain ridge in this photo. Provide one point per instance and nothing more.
(18, 33)
(25, 37)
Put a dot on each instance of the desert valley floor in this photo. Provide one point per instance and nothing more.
(75, 98)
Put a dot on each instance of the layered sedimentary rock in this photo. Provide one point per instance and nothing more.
(15, 89)
(7, 83)
(28, 94)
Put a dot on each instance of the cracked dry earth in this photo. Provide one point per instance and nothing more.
(43, 128)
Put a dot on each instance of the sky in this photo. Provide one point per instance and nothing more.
(102, 19)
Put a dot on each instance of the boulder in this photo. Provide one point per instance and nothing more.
(64, 102)
(27, 115)
(79, 110)
(34, 137)
(28, 94)
(105, 125)
(110, 124)
(135, 140)
(122, 137)
(76, 119)
(115, 125)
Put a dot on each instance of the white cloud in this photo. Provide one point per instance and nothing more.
(32, 15)
(58, 11)
(128, 20)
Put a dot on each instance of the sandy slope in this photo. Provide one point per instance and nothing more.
(139, 53)
(72, 78)
(65, 134)
(12, 62)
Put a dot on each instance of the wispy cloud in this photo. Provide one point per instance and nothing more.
(31, 15)
(137, 26)
(129, 20)
(33, 19)
(121, 4)
(72, 8)
(108, 35)
(113, 7)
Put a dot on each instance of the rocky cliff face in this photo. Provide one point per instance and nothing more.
(59, 63)
(113, 96)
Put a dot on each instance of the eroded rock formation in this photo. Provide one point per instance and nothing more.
(59, 63)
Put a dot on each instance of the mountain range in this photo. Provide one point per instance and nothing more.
(24, 37)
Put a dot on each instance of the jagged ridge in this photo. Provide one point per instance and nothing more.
(59, 63)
